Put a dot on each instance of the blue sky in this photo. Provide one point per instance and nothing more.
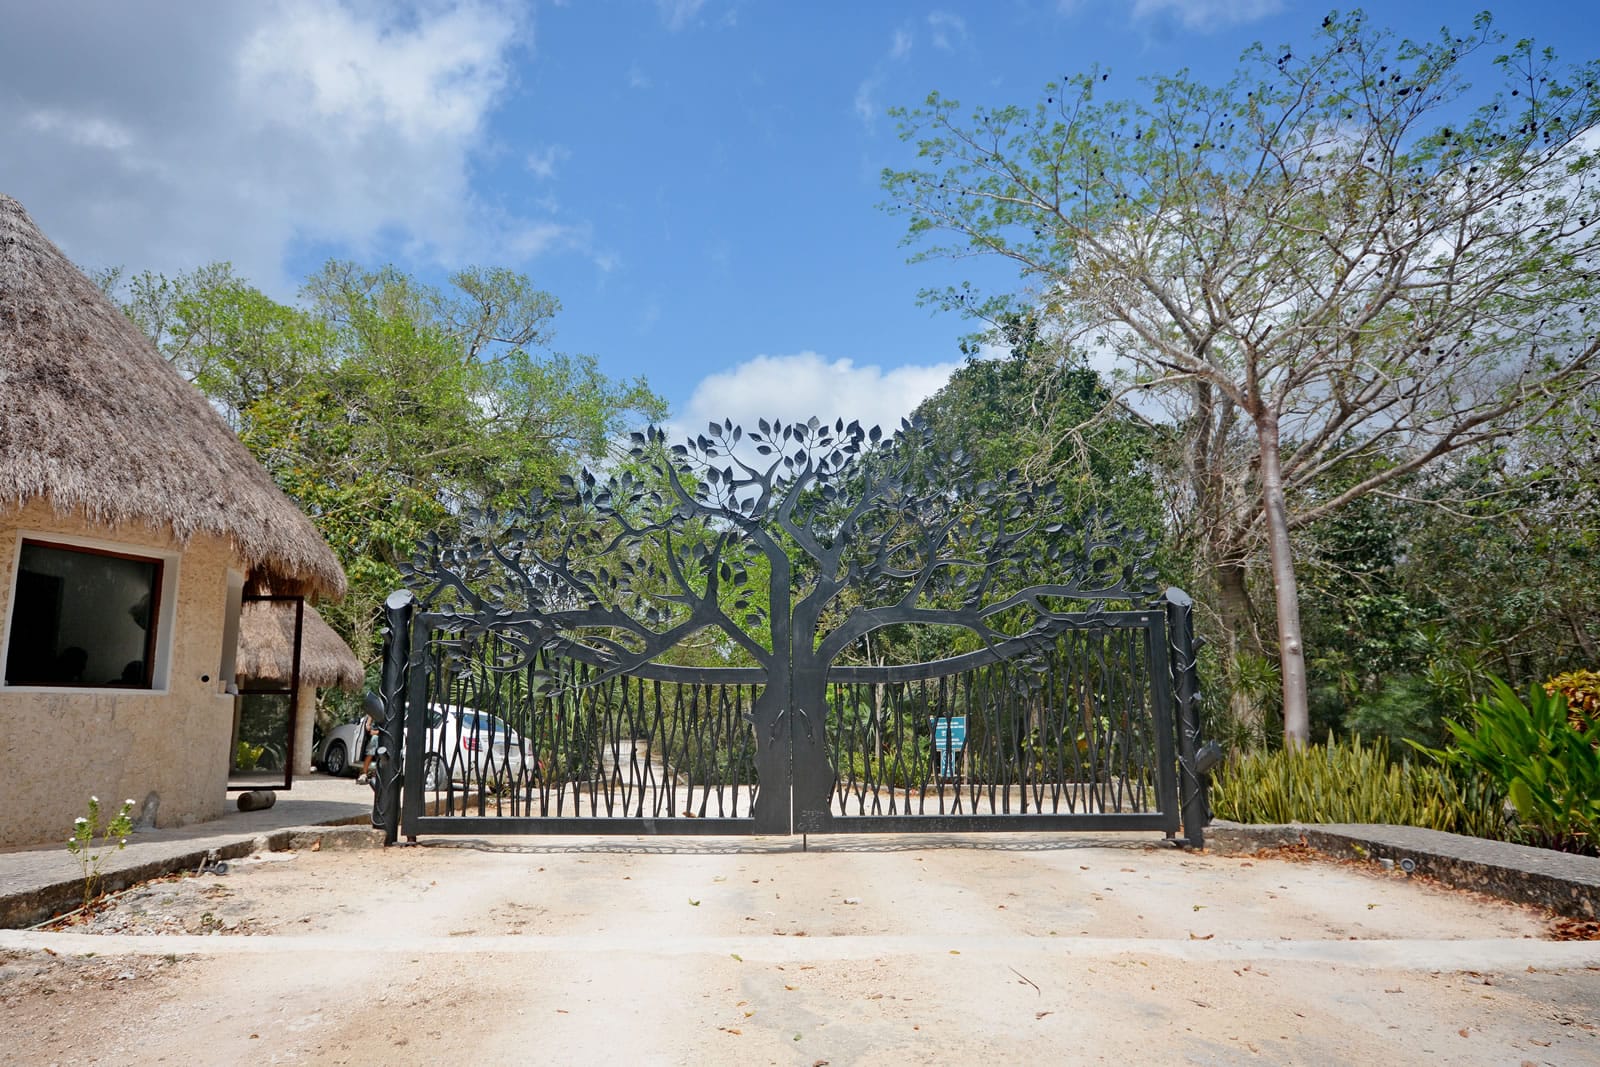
(696, 180)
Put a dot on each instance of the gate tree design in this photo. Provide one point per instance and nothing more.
(790, 544)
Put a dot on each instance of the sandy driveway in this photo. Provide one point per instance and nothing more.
(880, 951)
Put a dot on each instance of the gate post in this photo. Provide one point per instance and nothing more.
(1192, 785)
(397, 611)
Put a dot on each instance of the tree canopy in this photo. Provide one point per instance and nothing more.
(1343, 260)
(386, 407)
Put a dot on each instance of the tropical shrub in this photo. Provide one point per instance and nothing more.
(1546, 767)
(1351, 781)
(1582, 690)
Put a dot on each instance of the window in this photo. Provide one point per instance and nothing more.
(83, 617)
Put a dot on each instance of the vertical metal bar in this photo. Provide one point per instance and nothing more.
(1192, 786)
(1162, 704)
(397, 613)
(416, 733)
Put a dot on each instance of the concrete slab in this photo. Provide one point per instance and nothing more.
(892, 949)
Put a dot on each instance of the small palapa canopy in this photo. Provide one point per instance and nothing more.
(266, 648)
(95, 420)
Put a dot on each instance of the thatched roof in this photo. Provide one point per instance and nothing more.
(93, 419)
(266, 650)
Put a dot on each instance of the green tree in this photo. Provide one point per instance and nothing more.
(1027, 414)
(386, 407)
(1332, 257)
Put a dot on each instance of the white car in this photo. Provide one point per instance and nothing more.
(464, 745)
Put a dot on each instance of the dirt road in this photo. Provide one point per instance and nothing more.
(883, 951)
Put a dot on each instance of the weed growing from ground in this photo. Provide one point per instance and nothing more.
(82, 844)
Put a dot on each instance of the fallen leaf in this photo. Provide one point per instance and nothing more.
(693, 903)
(1197, 907)
(316, 846)
(730, 1030)
(1201, 937)
(1042, 1014)
(1462, 1031)
(740, 958)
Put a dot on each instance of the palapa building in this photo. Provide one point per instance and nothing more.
(131, 522)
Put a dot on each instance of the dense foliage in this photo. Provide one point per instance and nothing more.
(1353, 782)
(1338, 270)
(386, 407)
(1547, 767)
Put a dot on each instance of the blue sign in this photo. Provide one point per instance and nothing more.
(949, 738)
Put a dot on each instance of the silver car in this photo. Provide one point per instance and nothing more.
(463, 745)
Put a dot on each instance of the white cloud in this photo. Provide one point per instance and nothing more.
(84, 131)
(242, 132)
(868, 106)
(948, 29)
(637, 78)
(1205, 15)
(679, 13)
(796, 387)
(542, 162)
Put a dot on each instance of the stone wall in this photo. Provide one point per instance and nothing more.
(64, 745)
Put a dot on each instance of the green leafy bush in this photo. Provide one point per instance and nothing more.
(1403, 708)
(1348, 781)
(1548, 768)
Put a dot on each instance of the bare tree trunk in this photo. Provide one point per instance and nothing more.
(1286, 593)
(1233, 607)
(1590, 651)
(1237, 617)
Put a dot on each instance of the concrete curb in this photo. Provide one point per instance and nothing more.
(1566, 884)
(39, 905)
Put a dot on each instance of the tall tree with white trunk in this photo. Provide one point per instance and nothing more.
(1348, 259)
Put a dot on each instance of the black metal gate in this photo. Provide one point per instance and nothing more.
(541, 684)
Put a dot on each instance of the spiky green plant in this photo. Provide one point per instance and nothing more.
(1351, 781)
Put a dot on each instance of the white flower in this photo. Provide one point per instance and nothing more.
(80, 820)
(124, 841)
(128, 803)
(94, 800)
